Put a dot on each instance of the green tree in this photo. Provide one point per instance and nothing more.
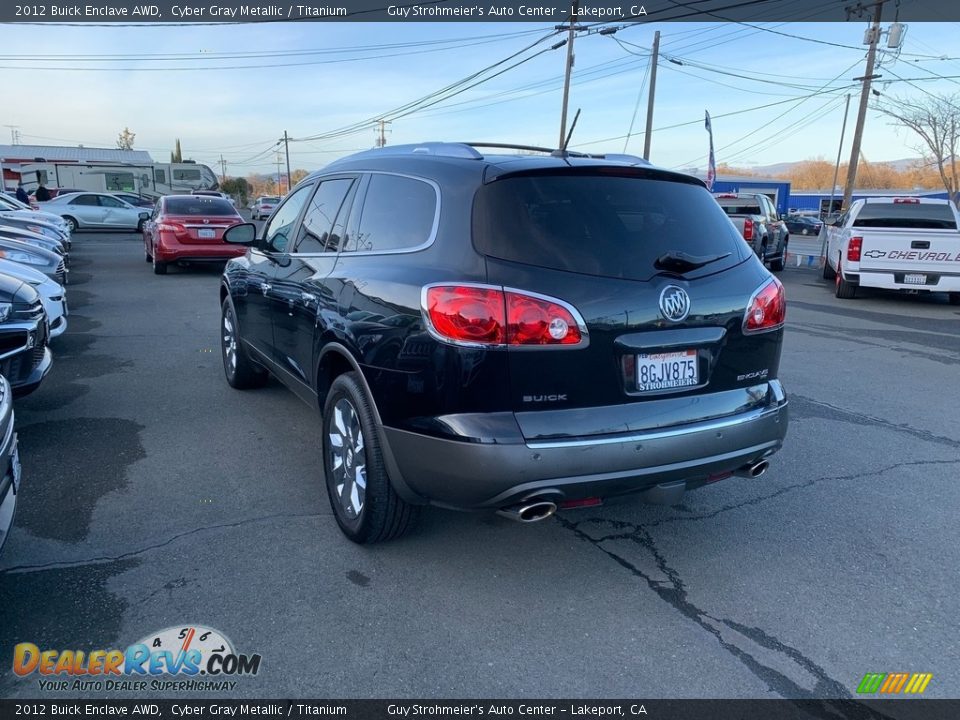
(176, 156)
(237, 187)
(125, 139)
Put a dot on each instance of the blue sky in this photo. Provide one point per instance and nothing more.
(242, 110)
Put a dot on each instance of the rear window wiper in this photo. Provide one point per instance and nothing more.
(679, 261)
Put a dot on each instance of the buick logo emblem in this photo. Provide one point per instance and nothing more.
(674, 303)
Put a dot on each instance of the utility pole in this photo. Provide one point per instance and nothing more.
(14, 134)
(223, 170)
(286, 145)
(278, 171)
(381, 131)
(574, 9)
(648, 133)
(862, 112)
(836, 169)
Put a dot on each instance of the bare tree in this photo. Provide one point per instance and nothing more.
(125, 139)
(936, 119)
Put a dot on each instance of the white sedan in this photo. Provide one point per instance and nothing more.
(89, 210)
(52, 294)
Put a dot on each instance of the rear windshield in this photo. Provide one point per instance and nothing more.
(610, 226)
(731, 207)
(199, 205)
(929, 216)
(270, 201)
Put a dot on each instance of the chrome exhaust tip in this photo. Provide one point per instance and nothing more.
(529, 511)
(753, 470)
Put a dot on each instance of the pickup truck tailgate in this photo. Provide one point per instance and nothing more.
(910, 250)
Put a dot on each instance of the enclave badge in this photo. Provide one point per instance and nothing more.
(674, 303)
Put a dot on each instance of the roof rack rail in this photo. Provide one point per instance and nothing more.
(437, 149)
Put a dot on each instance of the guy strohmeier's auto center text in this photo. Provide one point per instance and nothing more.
(206, 12)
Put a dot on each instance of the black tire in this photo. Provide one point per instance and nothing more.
(159, 268)
(382, 515)
(828, 272)
(241, 372)
(954, 298)
(72, 223)
(778, 264)
(147, 256)
(140, 226)
(843, 289)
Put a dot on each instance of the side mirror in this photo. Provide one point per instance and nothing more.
(831, 219)
(243, 234)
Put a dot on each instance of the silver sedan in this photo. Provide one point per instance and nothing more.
(84, 210)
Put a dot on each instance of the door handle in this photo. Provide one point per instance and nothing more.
(308, 297)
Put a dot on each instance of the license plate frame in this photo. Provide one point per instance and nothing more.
(206, 233)
(915, 279)
(667, 371)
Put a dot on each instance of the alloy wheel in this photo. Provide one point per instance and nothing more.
(347, 458)
(230, 342)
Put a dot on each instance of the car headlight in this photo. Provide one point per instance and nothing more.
(6, 309)
(21, 257)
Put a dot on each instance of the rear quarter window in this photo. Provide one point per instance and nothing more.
(399, 213)
(612, 226)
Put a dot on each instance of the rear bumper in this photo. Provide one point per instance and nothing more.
(473, 475)
(214, 253)
(888, 280)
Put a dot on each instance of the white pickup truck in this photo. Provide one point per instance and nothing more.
(893, 243)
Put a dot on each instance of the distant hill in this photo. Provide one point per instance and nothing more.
(785, 168)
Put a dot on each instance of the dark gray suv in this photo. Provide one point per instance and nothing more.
(516, 332)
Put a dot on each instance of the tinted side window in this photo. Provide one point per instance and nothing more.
(280, 231)
(111, 202)
(315, 235)
(85, 200)
(398, 213)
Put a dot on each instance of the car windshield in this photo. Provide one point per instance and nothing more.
(610, 226)
(926, 216)
(199, 205)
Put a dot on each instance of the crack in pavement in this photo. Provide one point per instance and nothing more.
(674, 593)
(787, 488)
(20, 569)
(834, 412)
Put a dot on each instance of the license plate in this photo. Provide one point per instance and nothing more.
(915, 279)
(206, 233)
(667, 371)
(15, 467)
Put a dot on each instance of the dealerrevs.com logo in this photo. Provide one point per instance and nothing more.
(199, 658)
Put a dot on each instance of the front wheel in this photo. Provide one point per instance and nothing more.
(364, 503)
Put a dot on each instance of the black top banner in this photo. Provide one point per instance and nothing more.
(637, 709)
(549, 11)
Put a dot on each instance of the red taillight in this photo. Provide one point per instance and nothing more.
(493, 316)
(467, 314)
(537, 321)
(175, 228)
(853, 249)
(767, 309)
(748, 229)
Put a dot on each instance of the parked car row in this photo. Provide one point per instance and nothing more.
(34, 255)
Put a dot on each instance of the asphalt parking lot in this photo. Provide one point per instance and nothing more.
(154, 496)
